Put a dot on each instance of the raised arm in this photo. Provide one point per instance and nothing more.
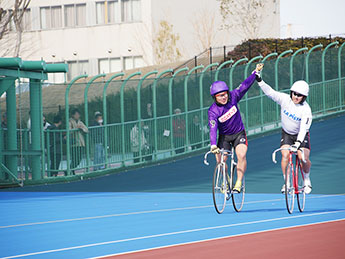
(274, 95)
(244, 87)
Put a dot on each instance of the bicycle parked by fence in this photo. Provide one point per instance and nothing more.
(294, 180)
(223, 183)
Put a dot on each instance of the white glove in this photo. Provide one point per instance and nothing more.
(257, 71)
(215, 149)
(295, 146)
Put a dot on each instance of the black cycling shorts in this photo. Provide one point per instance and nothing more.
(288, 139)
(227, 141)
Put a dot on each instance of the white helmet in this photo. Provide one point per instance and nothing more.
(300, 87)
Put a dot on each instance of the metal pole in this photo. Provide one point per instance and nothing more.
(171, 81)
(324, 74)
(36, 126)
(139, 106)
(291, 62)
(123, 114)
(307, 61)
(339, 73)
(220, 67)
(274, 54)
(232, 70)
(186, 101)
(276, 77)
(201, 97)
(86, 109)
(155, 108)
(105, 114)
(68, 140)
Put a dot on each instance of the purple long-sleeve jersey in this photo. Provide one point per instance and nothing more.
(227, 118)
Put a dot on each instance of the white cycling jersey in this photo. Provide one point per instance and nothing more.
(296, 118)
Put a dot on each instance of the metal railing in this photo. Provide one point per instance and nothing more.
(176, 123)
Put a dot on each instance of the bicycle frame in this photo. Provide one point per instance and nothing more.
(290, 163)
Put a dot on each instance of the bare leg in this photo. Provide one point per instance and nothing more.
(285, 159)
(218, 158)
(305, 166)
(241, 152)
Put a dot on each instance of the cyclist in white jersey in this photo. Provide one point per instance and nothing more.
(296, 118)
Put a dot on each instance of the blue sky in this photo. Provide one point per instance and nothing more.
(312, 17)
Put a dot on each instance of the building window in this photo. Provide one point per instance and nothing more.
(108, 12)
(51, 17)
(109, 65)
(132, 62)
(75, 15)
(27, 20)
(76, 68)
(131, 10)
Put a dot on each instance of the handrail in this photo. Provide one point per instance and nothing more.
(307, 61)
(291, 62)
(221, 67)
(232, 70)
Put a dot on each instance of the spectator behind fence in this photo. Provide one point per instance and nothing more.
(98, 140)
(195, 131)
(135, 145)
(55, 145)
(77, 138)
(179, 130)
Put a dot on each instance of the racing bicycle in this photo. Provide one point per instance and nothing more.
(294, 180)
(223, 183)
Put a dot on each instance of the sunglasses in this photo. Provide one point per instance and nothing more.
(297, 94)
(222, 95)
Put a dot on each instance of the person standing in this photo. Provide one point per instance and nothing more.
(135, 145)
(55, 145)
(78, 129)
(179, 131)
(97, 134)
(195, 131)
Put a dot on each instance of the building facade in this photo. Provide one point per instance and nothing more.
(113, 35)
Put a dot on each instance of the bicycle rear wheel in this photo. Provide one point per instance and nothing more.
(237, 198)
(289, 190)
(300, 185)
(219, 188)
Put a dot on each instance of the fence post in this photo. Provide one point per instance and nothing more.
(68, 142)
(86, 110)
(323, 73)
(232, 71)
(276, 77)
(339, 73)
(171, 81)
(105, 114)
(201, 97)
(122, 108)
(291, 62)
(307, 61)
(220, 67)
(186, 101)
(274, 54)
(245, 76)
(139, 106)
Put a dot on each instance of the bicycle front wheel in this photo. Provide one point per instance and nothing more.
(237, 197)
(300, 185)
(289, 189)
(219, 188)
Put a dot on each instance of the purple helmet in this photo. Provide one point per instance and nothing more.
(218, 87)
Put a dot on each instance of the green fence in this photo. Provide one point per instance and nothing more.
(157, 116)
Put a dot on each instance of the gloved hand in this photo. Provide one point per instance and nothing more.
(296, 146)
(257, 71)
(215, 149)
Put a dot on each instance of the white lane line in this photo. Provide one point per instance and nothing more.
(144, 212)
(217, 238)
(173, 233)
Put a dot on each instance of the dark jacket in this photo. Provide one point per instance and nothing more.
(97, 133)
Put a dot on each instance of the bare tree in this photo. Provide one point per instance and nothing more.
(165, 44)
(245, 17)
(15, 14)
(204, 28)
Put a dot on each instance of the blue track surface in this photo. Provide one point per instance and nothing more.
(84, 225)
(167, 204)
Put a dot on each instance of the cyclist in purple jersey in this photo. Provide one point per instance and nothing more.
(224, 116)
